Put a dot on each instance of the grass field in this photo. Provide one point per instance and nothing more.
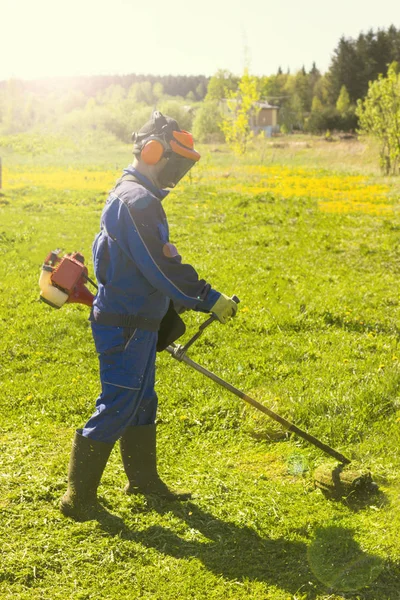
(306, 233)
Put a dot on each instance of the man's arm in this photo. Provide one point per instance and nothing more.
(139, 231)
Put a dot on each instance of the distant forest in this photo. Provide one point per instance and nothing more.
(115, 105)
(173, 85)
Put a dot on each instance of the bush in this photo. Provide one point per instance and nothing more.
(123, 122)
(206, 123)
(118, 120)
(176, 110)
(330, 119)
(379, 115)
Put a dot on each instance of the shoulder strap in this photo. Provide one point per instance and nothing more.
(159, 194)
(126, 177)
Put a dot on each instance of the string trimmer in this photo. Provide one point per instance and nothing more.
(335, 481)
(63, 280)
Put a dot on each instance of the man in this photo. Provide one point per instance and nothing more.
(140, 275)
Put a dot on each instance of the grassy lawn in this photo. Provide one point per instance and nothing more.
(306, 233)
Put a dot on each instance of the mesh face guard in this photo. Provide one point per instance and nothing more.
(177, 144)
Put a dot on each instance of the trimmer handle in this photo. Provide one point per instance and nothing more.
(202, 328)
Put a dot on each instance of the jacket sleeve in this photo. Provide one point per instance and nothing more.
(144, 237)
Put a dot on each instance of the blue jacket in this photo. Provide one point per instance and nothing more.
(138, 270)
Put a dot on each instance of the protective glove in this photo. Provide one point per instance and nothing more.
(224, 308)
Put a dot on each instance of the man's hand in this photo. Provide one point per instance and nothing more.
(224, 308)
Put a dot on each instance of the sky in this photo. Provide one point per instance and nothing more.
(49, 38)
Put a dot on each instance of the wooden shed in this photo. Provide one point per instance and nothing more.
(265, 118)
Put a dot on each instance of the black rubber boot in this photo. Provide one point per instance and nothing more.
(86, 466)
(139, 456)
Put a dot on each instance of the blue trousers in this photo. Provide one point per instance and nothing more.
(127, 375)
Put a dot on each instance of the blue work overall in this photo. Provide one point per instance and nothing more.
(138, 272)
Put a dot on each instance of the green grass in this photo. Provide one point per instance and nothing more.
(316, 339)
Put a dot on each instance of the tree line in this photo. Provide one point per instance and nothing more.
(194, 86)
(308, 100)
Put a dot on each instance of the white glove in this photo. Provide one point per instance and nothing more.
(224, 308)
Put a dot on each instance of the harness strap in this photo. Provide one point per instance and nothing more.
(127, 177)
(118, 320)
(144, 182)
(124, 177)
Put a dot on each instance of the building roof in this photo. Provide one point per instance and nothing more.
(265, 105)
(261, 104)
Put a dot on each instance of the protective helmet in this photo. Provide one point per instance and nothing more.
(161, 137)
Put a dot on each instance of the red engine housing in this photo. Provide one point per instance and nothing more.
(70, 275)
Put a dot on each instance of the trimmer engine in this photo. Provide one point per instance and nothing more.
(63, 280)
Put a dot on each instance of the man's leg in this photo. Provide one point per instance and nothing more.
(124, 364)
(138, 446)
(87, 462)
(127, 364)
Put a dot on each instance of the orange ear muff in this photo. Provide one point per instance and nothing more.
(152, 152)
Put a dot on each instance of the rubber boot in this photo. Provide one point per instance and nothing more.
(86, 466)
(139, 456)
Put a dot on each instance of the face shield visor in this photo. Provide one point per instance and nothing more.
(181, 156)
(173, 171)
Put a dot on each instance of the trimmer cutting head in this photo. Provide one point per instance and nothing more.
(339, 481)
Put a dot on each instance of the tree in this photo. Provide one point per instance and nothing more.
(190, 97)
(379, 115)
(322, 119)
(321, 89)
(176, 109)
(241, 107)
(273, 88)
(346, 111)
(343, 102)
(292, 113)
(112, 95)
(302, 90)
(158, 90)
(207, 123)
(220, 85)
(201, 90)
(346, 69)
(316, 105)
(356, 62)
(314, 75)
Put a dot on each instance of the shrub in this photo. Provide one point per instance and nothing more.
(207, 122)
